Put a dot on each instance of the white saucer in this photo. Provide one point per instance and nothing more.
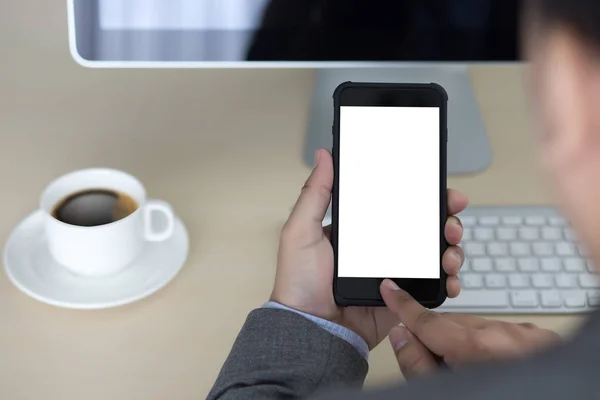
(32, 269)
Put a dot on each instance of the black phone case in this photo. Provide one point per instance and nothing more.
(348, 302)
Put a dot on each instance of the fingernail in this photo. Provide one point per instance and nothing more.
(398, 338)
(391, 284)
(457, 257)
(317, 158)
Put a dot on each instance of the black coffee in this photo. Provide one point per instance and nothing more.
(94, 207)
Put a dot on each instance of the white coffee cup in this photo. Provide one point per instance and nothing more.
(103, 249)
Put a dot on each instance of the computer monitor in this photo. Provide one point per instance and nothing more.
(376, 41)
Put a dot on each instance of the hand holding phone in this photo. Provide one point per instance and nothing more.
(389, 204)
(304, 277)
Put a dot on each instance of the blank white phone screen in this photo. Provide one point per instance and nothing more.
(389, 192)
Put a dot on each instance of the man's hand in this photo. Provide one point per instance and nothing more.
(457, 339)
(304, 279)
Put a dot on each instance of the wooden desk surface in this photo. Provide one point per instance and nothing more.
(224, 148)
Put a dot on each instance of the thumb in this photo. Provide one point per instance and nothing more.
(311, 207)
(414, 359)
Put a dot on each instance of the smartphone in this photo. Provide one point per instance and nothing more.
(389, 194)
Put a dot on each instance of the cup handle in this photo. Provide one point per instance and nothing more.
(153, 206)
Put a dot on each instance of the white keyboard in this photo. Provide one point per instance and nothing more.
(522, 260)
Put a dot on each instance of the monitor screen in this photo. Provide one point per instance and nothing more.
(294, 30)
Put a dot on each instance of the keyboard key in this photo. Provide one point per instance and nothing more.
(557, 221)
(505, 265)
(542, 249)
(551, 299)
(484, 234)
(570, 235)
(549, 233)
(496, 249)
(582, 251)
(479, 299)
(495, 281)
(593, 299)
(481, 264)
(524, 299)
(529, 234)
(520, 249)
(565, 281)
(589, 281)
(574, 265)
(518, 281)
(574, 299)
(590, 267)
(537, 221)
(466, 266)
(467, 234)
(489, 221)
(468, 221)
(551, 264)
(528, 264)
(471, 281)
(474, 249)
(564, 249)
(512, 221)
(506, 234)
(542, 281)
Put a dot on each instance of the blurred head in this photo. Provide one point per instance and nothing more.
(562, 41)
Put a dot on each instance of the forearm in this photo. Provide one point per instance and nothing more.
(280, 354)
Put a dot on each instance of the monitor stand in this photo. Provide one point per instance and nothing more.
(468, 146)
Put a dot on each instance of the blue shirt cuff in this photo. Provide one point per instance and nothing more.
(337, 330)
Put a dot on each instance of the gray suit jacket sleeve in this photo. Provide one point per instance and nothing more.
(279, 354)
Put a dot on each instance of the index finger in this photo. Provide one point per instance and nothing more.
(441, 335)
